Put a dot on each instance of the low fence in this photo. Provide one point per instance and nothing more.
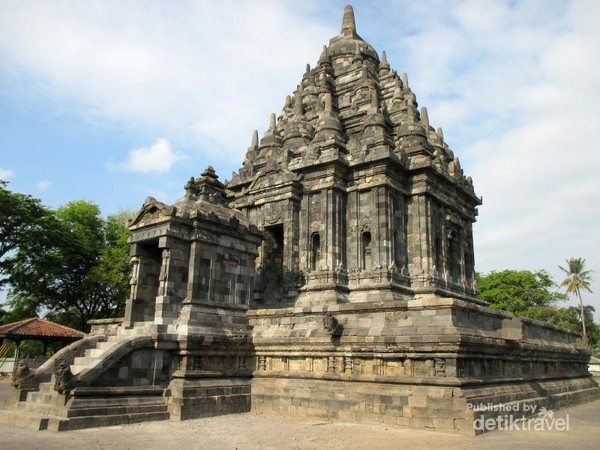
(7, 365)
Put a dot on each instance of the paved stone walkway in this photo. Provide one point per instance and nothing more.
(252, 431)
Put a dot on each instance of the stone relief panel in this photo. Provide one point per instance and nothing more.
(356, 365)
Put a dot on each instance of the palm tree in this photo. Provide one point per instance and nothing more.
(577, 279)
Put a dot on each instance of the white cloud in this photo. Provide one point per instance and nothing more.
(166, 68)
(513, 84)
(159, 157)
(6, 174)
(44, 185)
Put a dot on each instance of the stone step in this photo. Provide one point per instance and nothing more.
(157, 407)
(105, 345)
(114, 338)
(41, 398)
(77, 368)
(78, 423)
(39, 409)
(47, 387)
(95, 352)
(116, 402)
(85, 412)
(24, 419)
(84, 361)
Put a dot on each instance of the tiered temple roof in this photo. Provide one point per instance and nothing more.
(352, 107)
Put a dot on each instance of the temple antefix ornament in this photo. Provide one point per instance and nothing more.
(331, 277)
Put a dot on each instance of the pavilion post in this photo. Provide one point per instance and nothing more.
(16, 362)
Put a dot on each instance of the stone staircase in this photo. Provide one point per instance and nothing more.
(89, 406)
(94, 356)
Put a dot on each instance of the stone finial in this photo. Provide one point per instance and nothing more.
(383, 64)
(324, 57)
(405, 80)
(397, 88)
(254, 142)
(424, 118)
(328, 103)
(271, 138)
(364, 73)
(440, 133)
(374, 100)
(190, 186)
(288, 102)
(411, 100)
(329, 125)
(210, 173)
(307, 68)
(348, 22)
(298, 108)
(209, 188)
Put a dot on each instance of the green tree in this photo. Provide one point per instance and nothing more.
(22, 308)
(518, 291)
(83, 275)
(24, 222)
(568, 317)
(577, 279)
(535, 295)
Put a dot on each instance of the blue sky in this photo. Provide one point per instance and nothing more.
(114, 101)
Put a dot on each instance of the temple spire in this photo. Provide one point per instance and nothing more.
(323, 59)
(397, 86)
(440, 134)
(348, 23)
(424, 118)
(405, 81)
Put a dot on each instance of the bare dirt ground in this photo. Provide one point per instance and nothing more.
(253, 431)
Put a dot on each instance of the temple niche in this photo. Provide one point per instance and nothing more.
(331, 277)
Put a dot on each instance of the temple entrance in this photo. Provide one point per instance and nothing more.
(148, 282)
(272, 270)
(454, 256)
(275, 238)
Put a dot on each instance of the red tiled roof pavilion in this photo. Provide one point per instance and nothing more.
(39, 329)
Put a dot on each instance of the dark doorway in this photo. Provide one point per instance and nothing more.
(367, 252)
(315, 251)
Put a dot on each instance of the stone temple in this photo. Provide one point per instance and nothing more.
(331, 277)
